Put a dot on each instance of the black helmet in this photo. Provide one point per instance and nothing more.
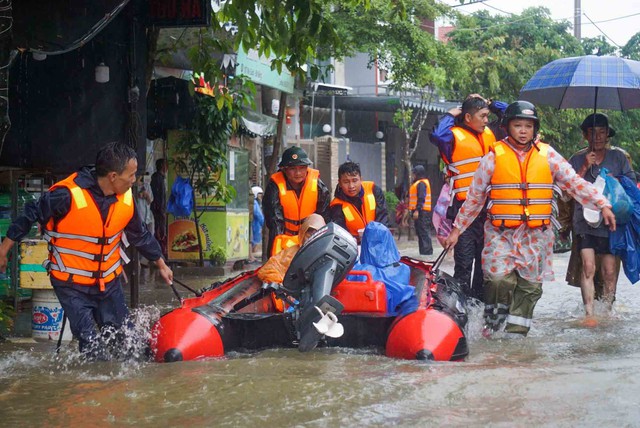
(294, 156)
(521, 110)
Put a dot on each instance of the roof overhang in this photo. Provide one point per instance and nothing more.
(382, 103)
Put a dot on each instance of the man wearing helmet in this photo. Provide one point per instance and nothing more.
(517, 177)
(463, 136)
(593, 239)
(293, 193)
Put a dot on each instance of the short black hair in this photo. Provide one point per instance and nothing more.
(113, 157)
(160, 163)
(349, 168)
(472, 105)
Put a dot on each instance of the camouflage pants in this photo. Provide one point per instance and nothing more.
(510, 299)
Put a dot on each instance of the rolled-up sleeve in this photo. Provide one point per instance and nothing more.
(442, 137)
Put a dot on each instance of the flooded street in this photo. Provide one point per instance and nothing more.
(561, 375)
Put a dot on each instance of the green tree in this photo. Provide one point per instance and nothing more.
(297, 33)
(395, 37)
(597, 46)
(502, 53)
(632, 49)
(219, 105)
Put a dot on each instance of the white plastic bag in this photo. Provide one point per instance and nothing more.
(594, 217)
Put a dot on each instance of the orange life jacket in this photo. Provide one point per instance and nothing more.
(468, 149)
(82, 248)
(521, 191)
(295, 209)
(355, 220)
(413, 195)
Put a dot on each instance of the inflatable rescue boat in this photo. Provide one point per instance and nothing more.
(328, 304)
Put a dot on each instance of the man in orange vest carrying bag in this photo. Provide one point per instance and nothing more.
(293, 193)
(463, 137)
(88, 219)
(356, 202)
(420, 205)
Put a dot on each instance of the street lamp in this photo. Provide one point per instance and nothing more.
(343, 132)
(326, 128)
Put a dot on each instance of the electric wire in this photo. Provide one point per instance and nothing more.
(484, 3)
(602, 32)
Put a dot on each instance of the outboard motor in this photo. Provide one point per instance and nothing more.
(321, 263)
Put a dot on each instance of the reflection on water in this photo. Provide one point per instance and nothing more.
(561, 375)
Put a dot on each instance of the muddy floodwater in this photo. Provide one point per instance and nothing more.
(562, 374)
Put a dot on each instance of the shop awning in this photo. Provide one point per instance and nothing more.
(382, 103)
(259, 125)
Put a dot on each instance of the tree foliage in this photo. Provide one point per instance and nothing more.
(219, 105)
(397, 40)
(502, 53)
(295, 32)
(632, 49)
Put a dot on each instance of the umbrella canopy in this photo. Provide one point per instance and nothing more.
(598, 82)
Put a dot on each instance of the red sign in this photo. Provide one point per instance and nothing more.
(40, 318)
(179, 13)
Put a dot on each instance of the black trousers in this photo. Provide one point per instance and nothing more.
(423, 224)
(468, 258)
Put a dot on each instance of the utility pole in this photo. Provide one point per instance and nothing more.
(577, 14)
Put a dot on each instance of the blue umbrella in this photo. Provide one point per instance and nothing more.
(598, 82)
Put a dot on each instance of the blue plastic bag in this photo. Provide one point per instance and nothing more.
(379, 255)
(621, 203)
(181, 199)
(624, 241)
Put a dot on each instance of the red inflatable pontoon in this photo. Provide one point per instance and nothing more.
(238, 315)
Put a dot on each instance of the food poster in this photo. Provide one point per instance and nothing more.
(183, 241)
(220, 225)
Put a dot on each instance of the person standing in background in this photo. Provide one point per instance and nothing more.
(420, 205)
(257, 222)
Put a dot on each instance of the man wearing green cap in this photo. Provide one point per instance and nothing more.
(293, 193)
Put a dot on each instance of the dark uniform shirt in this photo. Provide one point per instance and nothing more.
(272, 209)
(337, 216)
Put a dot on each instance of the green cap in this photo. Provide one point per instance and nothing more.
(294, 156)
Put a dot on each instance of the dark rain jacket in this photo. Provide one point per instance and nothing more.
(274, 215)
(56, 204)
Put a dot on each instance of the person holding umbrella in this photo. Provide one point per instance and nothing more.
(518, 177)
(593, 240)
